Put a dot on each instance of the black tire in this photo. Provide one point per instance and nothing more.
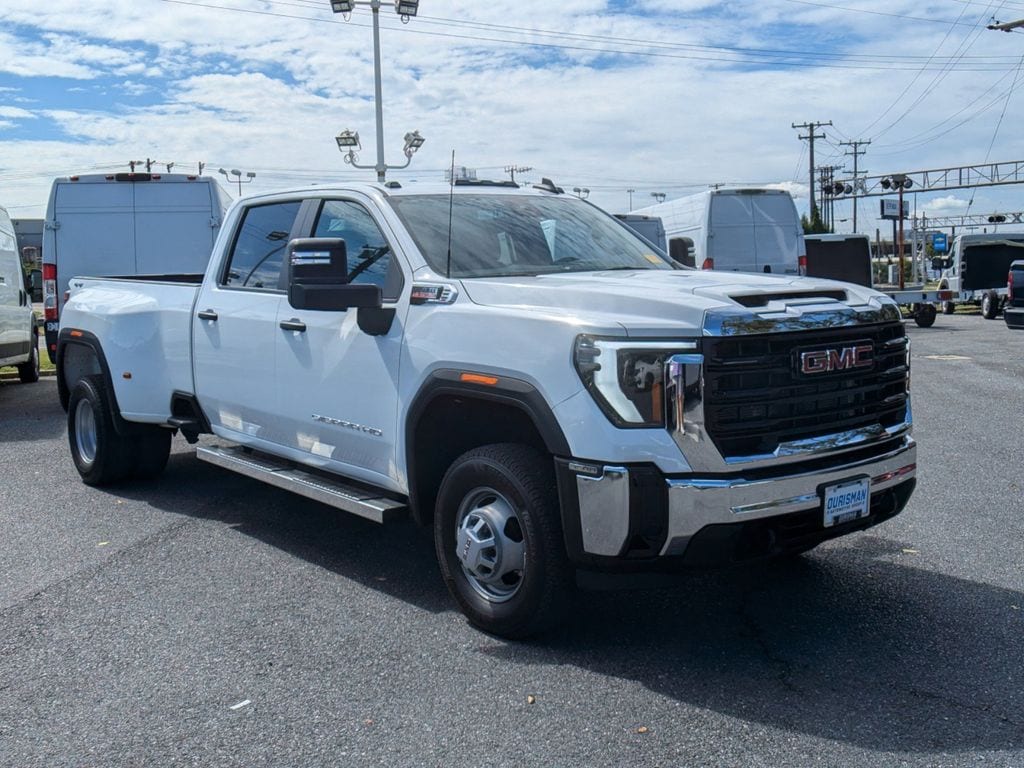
(28, 371)
(948, 308)
(151, 451)
(513, 485)
(990, 305)
(101, 455)
(925, 314)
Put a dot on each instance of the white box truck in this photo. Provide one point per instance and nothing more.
(125, 224)
(735, 229)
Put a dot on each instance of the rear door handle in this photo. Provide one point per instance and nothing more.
(293, 325)
(207, 314)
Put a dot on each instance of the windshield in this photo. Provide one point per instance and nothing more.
(499, 235)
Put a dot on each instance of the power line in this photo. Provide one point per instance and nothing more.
(788, 59)
(913, 80)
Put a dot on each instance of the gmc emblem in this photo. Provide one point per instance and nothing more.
(836, 359)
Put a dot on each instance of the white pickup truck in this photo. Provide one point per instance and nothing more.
(512, 367)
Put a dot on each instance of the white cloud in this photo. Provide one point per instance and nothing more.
(267, 92)
(15, 113)
(945, 206)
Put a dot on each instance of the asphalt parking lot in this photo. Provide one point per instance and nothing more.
(206, 619)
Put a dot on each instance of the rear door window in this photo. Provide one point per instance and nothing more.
(257, 257)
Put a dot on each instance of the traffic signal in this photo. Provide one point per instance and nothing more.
(997, 218)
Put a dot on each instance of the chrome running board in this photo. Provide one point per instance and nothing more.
(282, 474)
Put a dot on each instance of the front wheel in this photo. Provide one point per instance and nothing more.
(498, 536)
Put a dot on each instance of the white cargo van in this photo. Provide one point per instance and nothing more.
(735, 229)
(126, 224)
(19, 342)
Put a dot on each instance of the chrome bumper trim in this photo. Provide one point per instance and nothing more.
(695, 502)
(604, 510)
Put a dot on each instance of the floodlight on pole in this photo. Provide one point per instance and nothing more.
(413, 141)
(406, 8)
(659, 196)
(238, 177)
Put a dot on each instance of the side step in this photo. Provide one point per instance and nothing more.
(365, 503)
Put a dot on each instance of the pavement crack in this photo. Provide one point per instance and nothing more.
(953, 703)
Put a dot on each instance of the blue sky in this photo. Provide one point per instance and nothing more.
(609, 95)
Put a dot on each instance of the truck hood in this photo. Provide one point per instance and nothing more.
(647, 302)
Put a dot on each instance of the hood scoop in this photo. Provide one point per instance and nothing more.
(756, 300)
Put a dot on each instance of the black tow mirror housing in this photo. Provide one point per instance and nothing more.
(318, 277)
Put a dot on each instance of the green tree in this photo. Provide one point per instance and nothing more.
(814, 225)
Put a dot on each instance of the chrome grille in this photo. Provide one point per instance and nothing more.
(756, 398)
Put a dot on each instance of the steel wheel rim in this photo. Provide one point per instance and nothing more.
(85, 432)
(490, 546)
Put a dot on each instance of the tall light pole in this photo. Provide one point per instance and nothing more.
(630, 193)
(350, 140)
(249, 176)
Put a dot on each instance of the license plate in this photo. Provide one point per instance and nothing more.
(847, 501)
(52, 326)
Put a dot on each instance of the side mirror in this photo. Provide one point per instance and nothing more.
(318, 277)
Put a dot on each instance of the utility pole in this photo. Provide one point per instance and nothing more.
(811, 136)
(826, 177)
(857, 152)
(630, 193)
(514, 169)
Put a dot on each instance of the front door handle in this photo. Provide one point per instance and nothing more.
(293, 325)
(207, 314)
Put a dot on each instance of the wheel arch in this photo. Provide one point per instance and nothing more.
(449, 416)
(80, 354)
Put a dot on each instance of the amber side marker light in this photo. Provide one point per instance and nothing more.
(479, 378)
(76, 334)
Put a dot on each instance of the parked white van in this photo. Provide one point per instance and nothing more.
(19, 341)
(126, 224)
(735, 229)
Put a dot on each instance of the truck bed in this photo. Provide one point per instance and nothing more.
(145, 322)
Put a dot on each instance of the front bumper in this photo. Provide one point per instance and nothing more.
(634, 518)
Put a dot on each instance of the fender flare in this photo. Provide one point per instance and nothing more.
(66, 338)
(506, 391)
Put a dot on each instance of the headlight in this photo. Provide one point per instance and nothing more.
(626, 377)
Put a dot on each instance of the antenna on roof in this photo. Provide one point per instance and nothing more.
(451, 204)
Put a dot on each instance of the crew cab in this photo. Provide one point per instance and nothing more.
(512, 367)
